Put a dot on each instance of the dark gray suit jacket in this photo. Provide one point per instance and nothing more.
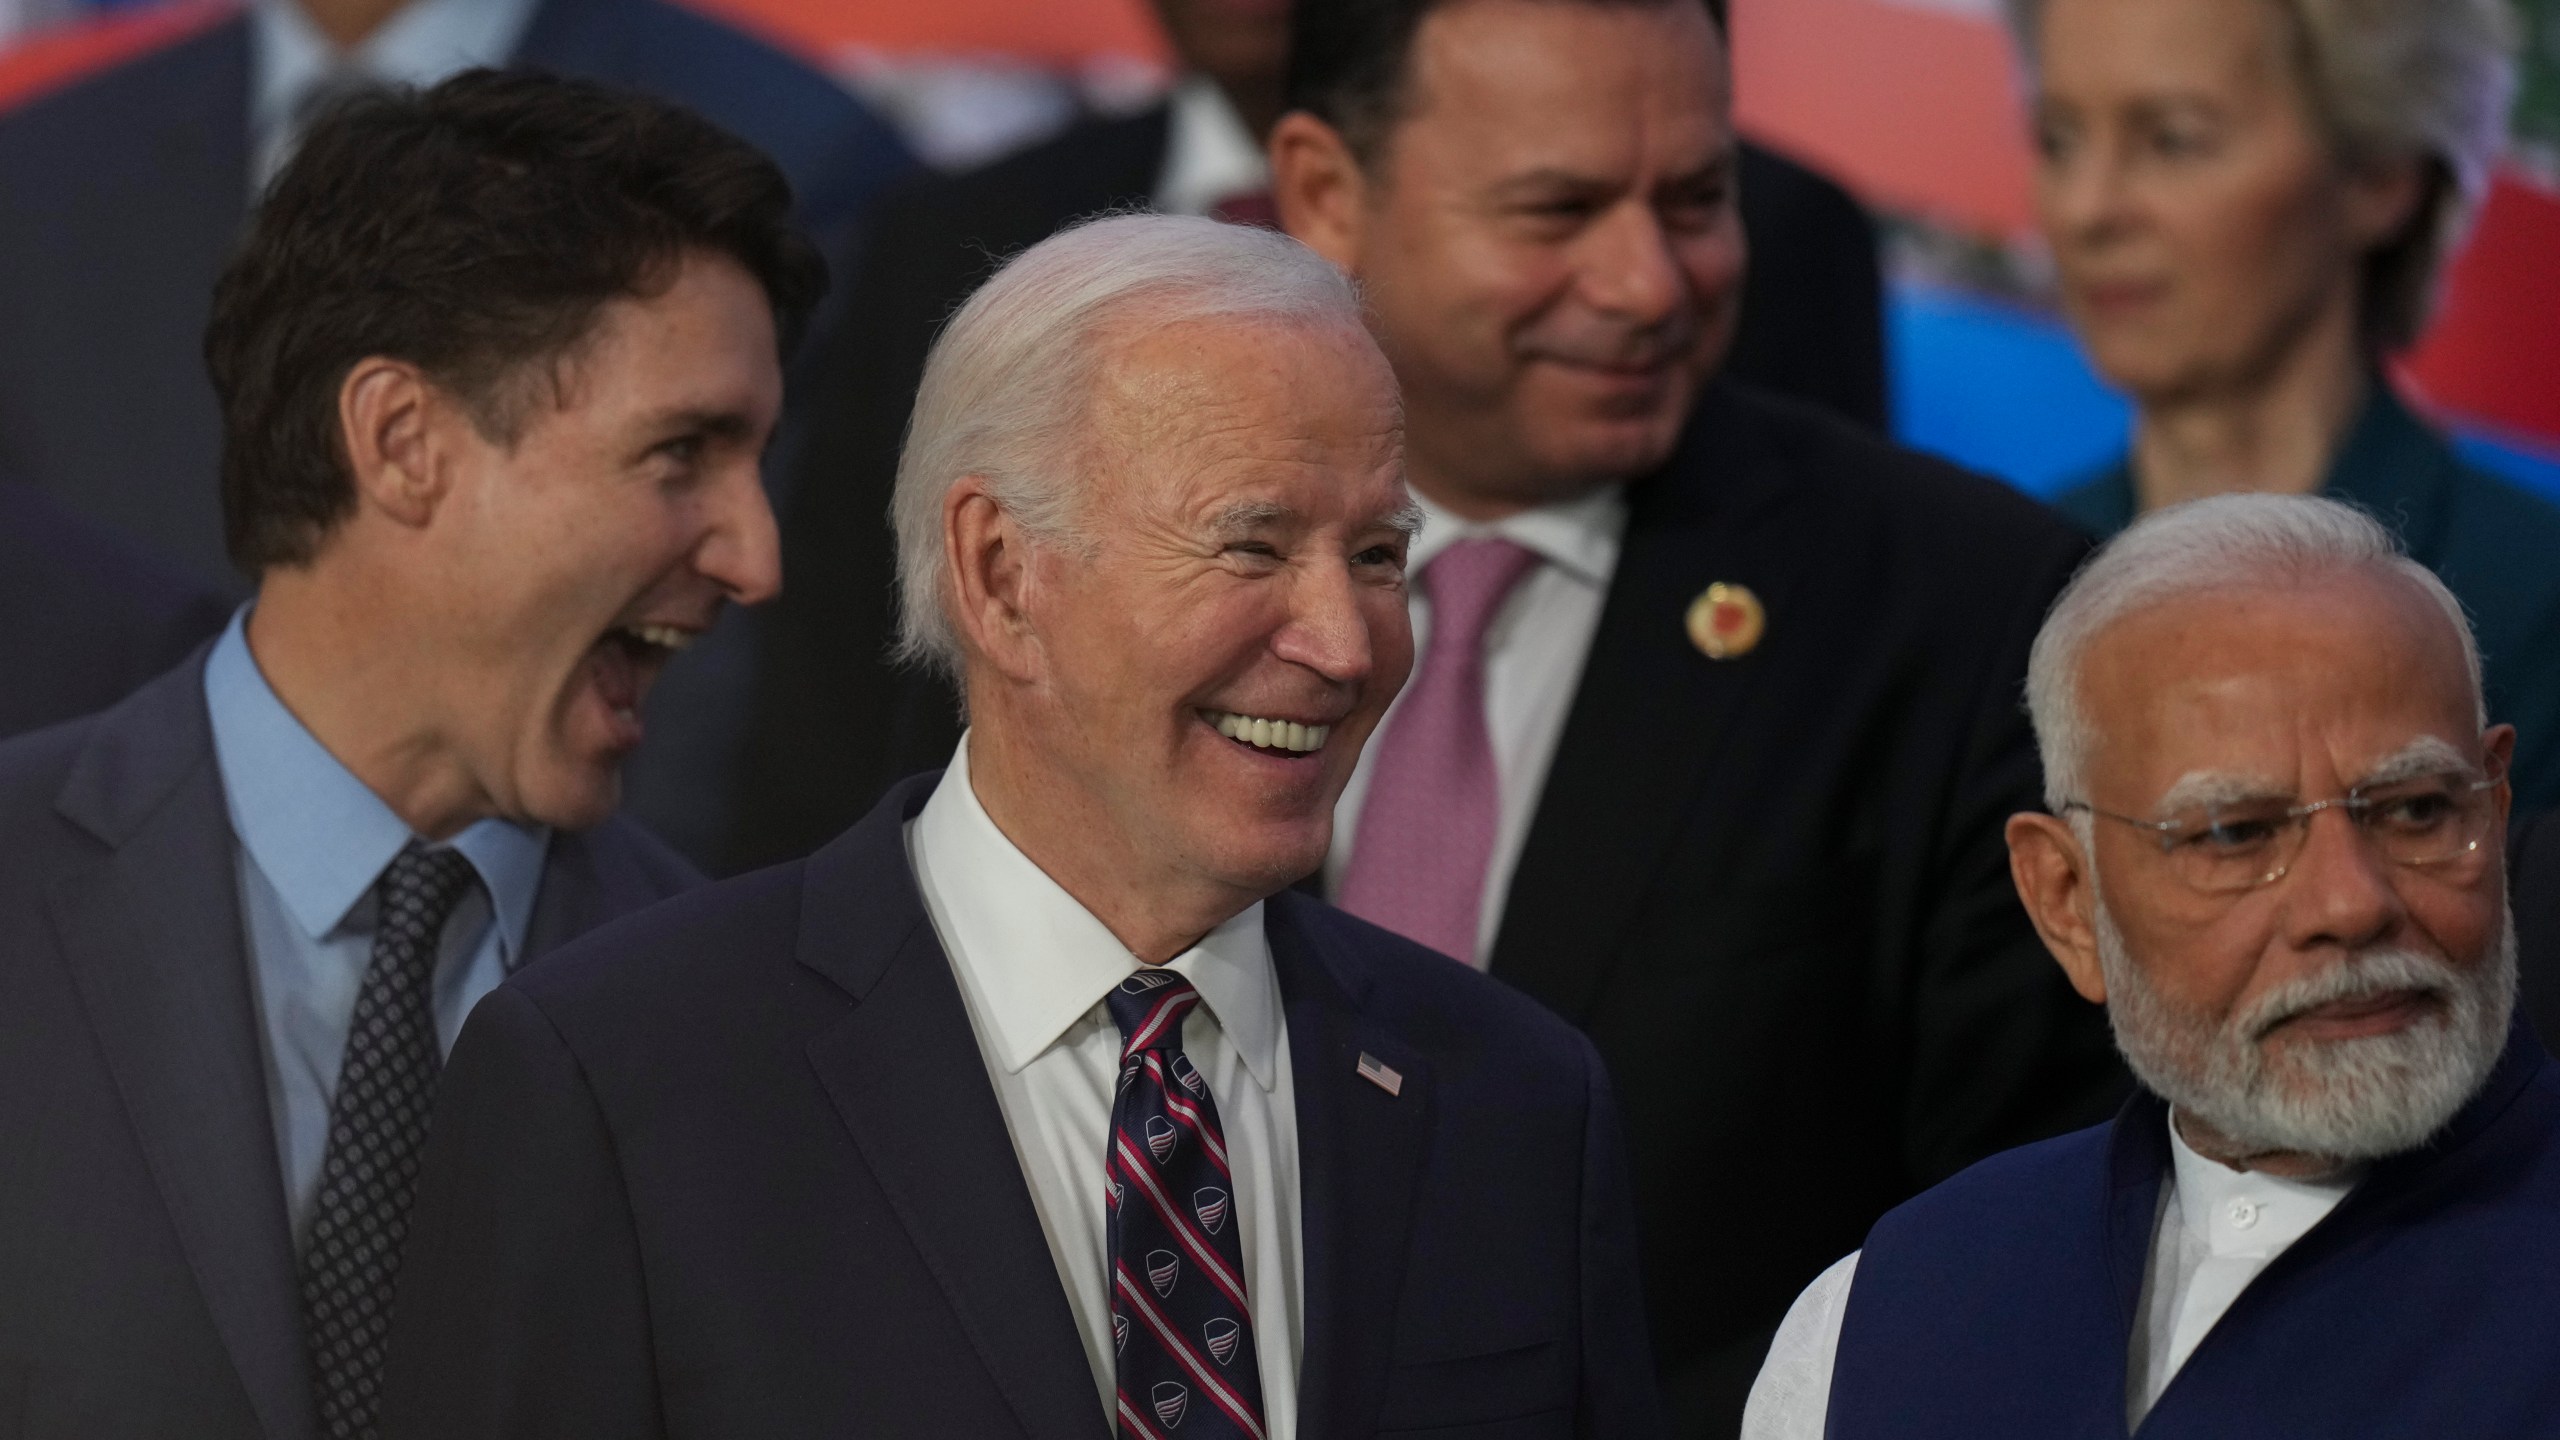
(146, 1269)
(735, 1169)
(85, 614)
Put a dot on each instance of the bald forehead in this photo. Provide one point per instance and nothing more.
(2350, 660)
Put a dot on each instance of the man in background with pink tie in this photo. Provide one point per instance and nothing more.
(1716, 716)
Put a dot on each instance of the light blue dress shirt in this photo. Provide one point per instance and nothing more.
(424, 42)
(308, 842)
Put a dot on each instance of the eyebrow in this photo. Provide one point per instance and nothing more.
(2426, 755)
(720, 424)
(1246, 517)
(2218, 787)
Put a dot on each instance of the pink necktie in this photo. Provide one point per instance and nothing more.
(1426, 830)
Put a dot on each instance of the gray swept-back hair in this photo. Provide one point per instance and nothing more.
(2388, 80)
(2227, 542)
(1008, 384)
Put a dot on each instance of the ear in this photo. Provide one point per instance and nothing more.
(389, 416)
(2054, 883)
(2383, 198)
(990, 578)
(1318, 188)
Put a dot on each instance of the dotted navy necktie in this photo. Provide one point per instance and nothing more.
(1179, 1322)
(377, 1125)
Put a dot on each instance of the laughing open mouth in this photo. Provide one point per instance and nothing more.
(1286, 737)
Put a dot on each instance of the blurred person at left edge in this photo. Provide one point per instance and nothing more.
(127, 189)
(497, 362)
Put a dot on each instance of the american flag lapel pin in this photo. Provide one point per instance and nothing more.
(1381, 1074)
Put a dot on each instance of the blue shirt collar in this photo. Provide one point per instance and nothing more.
(316, 832)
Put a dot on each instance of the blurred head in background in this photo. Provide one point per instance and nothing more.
(2249, 202)
(1538, 199)
(497, 363)
(1241, 44)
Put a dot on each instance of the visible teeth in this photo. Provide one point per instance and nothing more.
(665, 637)
(1286, 735)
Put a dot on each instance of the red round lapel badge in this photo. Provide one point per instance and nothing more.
(1726, 621)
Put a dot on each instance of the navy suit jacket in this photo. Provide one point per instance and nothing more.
(146, 1269)
(735, 1168)
(85, 614)
(127, 190)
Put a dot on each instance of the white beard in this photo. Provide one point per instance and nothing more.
(2350, 1100)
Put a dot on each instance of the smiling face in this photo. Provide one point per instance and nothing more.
(1549, 239)
(2202, 226)
(570, 565)
(1243, 572)
(2351, 1005)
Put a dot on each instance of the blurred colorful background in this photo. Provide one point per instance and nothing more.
(1913, 103)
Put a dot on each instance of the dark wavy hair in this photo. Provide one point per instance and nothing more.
(1350, 61)
(475, 230)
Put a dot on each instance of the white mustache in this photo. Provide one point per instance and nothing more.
(2361, 976)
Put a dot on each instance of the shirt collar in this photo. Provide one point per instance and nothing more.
(1209, 155)
(2273, 1211)
(424, 42)
(1580, 536)
(1043, 962)
(317, 833)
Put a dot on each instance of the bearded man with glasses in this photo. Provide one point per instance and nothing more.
(2334, 1206)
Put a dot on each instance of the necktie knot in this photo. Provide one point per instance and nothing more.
(1149, 1008)
(1467, 584)
(419, 889)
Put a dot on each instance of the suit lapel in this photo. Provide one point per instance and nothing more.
(1360, 1154)
(151, 931)
(1651, 711)
(904, 1073)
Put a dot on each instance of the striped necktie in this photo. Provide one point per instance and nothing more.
(1180, 1325)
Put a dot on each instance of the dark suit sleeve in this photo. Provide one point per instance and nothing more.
(2533, 891)
(1619, 1396)
(2002, 1050)
(522, 1310)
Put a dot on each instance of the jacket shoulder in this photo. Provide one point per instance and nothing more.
(1933, 502)
(1960, 1206)
(687, 947)
(1450, 1009)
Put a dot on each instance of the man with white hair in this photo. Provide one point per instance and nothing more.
(2334, 1208)
(1036, 1104)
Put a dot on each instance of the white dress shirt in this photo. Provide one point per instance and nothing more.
(425, 41)
(1208, 154)
(1033, 967)
(2231, 1224)
(1534, 650)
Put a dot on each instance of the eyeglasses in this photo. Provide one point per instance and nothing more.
(2229, 846)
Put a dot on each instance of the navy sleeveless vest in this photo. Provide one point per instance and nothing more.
(2001, 1305)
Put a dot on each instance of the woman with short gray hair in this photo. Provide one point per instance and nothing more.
(2251, 204)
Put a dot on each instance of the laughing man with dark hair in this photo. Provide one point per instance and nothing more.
(497, 361)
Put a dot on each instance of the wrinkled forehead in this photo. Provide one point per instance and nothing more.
(1190, 415)
(2310, 686)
